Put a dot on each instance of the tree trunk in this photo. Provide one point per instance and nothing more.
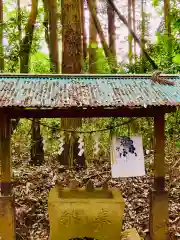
(123, 19)
(15, 122)
(16, 57)
(130, 35)
(143, 30)
(84, 36)
(111, 30)
(53, 37)
(167, 20)
(46, 24)
(72, 63)
(37, 153)
(111, 62)
(92, 44)
(71, 37)
(1, 38)
(19, 24)
(134, 27)
(25, 46)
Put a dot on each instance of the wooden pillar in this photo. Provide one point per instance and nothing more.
(5, 155)
(159, 196)
(7, 210)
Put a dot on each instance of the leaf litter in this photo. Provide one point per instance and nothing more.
(32, 186)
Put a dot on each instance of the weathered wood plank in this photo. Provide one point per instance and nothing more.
(158, 196)
(5, 155)
(87, 112)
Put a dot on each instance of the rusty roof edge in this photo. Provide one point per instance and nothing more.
(82, 75)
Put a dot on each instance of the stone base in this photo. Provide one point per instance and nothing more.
(158, 221)
(7, 218)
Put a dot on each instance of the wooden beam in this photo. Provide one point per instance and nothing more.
(5, 155)
(159, 196)
(87, 112)
(159, 158)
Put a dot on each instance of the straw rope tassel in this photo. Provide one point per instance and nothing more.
(81, 145)
(62, 142)
(97, 144)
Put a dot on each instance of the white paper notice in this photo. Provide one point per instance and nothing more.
(128, 159)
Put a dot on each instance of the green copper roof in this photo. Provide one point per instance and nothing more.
(63, 91)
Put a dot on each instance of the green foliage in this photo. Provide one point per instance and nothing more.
(93, 45)
(175, 19)
(173, 125)
(102, 65)
(176, 59)
(12, 35)
(155, 3)
(102, 62)
(21, 140)
(159, 51)
(39, 63)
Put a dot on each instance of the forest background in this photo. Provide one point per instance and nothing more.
(34, 38)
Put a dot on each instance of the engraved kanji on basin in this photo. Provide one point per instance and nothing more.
(78, 212)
